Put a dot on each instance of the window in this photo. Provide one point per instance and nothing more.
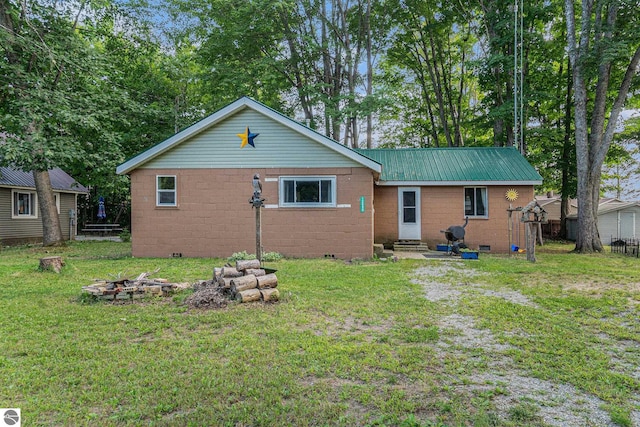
(166, 190)
(475, 201)
(56, 198)
(24, 204)
(307, 191)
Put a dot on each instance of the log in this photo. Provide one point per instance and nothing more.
(270, 294)
(239, 284)
(243, 264)
(225, 283)
(53, 263)
(248, 295)
(267, 281)
(255, 271)
(217, 272)
(231, 272)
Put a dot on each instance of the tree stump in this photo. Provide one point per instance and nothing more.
(53, 263)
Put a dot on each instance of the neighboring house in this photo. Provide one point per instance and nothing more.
(617, 219)
(20, 220)
(190, 194)
(552, 204)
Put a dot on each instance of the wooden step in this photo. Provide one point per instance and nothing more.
(410, 246)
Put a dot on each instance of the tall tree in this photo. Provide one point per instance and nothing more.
(604, 47)
(43, 64)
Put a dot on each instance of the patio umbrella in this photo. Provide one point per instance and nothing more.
(101, 212)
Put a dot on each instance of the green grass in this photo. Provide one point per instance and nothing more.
(348, 344)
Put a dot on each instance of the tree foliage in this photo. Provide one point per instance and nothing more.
(89, 84)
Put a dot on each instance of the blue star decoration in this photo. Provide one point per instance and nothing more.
(247, 138)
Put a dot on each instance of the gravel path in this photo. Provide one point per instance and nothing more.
(558, 404)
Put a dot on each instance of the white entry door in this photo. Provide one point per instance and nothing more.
(409, 213)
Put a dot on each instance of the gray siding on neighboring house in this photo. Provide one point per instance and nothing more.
(24, 229)
(67, 202)
(613, 224)
(20, 228)
(619, 224)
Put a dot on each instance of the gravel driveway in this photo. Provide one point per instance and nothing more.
(557, 404)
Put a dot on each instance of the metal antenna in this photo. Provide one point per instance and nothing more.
(518, 74)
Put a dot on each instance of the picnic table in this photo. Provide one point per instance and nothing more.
(101, 229)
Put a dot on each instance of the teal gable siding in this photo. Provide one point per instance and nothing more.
(277, 146)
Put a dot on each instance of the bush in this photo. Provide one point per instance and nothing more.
(125, 235)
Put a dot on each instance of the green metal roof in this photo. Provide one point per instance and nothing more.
(453, 166)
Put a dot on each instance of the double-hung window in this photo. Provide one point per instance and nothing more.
(24, 204)
(475, 202)
(308, 191)
(166, 190)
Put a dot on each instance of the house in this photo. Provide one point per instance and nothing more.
(190, 193)
(552, 204)
(617, 219)
(20, 220)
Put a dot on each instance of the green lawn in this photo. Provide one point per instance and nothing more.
(348, 344)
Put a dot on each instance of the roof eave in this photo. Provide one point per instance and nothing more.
(453, 183)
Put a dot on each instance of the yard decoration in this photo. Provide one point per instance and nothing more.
(257, 202)
(533, 215)
(247, 138)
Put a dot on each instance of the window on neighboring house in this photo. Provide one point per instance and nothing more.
(475, 201)
(166, 190)
(56, 197)
(307, 191)
(24, 204)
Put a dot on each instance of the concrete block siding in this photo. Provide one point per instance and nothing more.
(214, 218)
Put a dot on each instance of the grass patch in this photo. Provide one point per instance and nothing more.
(348, 344)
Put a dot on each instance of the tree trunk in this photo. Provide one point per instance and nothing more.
(594, 131)
(51, 230)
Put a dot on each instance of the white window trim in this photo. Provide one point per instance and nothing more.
(34, 204)
(486, 201)
(331, 178)
(175, 191)
(56, 197)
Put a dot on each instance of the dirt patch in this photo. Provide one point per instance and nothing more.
(598, 288)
